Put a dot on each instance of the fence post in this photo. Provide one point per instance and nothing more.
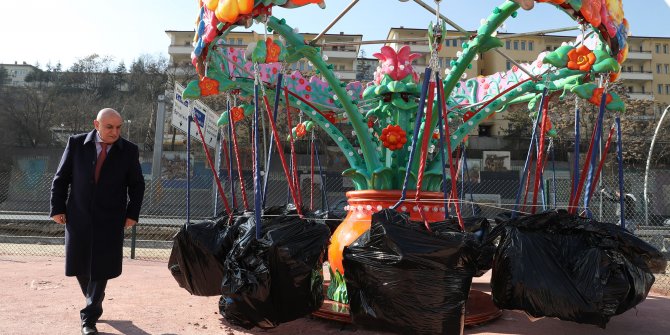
(133, 239)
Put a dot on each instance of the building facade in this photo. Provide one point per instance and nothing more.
(17, 73)
(340, 50)
(645, 74)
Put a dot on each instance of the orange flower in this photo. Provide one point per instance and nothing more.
(581, 58)
(237, 113)
(300, 130)
(598, 95)
(273, 51)
(208, 86)
(393, 137)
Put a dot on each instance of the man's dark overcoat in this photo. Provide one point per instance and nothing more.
(96, 213)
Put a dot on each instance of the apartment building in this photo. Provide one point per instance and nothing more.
(17, 73)
(340, 50)
(645, 74)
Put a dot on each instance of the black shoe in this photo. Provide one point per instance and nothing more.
(87, 329)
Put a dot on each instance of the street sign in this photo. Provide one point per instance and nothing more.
(205, 116)
(207, 121)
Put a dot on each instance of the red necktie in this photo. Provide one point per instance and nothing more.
(101, 159)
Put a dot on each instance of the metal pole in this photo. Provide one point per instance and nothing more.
(646, 170)
(217, 164)
(351, 5)
(514, 62)
(446, 19)
(133, 241)
(158, 140)
(188, 168)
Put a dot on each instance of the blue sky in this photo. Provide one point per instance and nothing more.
(67, 30)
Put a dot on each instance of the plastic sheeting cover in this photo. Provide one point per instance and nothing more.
(561, 265)
(403, 278)
(277, 278)
(198, 252)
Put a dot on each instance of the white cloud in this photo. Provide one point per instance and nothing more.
(667, 2)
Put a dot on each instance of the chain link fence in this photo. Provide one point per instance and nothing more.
(486, 188)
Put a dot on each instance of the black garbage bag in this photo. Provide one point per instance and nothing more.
(279, 277)
(403, 278)
(556, 264)
(198, 252)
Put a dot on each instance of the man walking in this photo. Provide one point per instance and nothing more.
(96, 192)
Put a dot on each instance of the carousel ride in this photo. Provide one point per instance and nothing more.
(406, 126)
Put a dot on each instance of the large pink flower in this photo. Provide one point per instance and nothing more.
(396, 65)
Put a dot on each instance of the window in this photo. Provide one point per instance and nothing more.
(667, 68)
(454, 43)
(658, 48)
(630, 89)
(341, 67)
(665, 48)
(658, 68)
(516, 45)
(485, 131)
(530, 45)
(523, 45)
(660, 89)
(508, 44)
(508, 65)
(301, 66)
(667, 89)
(239, 41)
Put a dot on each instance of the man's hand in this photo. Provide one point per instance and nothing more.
(59, 218)
(130, 223)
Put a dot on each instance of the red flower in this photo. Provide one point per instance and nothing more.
(308, 88)
(237, 114)
(393, 137)
(208, 86)
(598, 95)
(274, 70)
(301, 81)
(515, 68)
(371, 123)
(300, 130)
(581, 59)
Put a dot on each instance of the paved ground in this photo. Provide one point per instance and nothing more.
(36, 298)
